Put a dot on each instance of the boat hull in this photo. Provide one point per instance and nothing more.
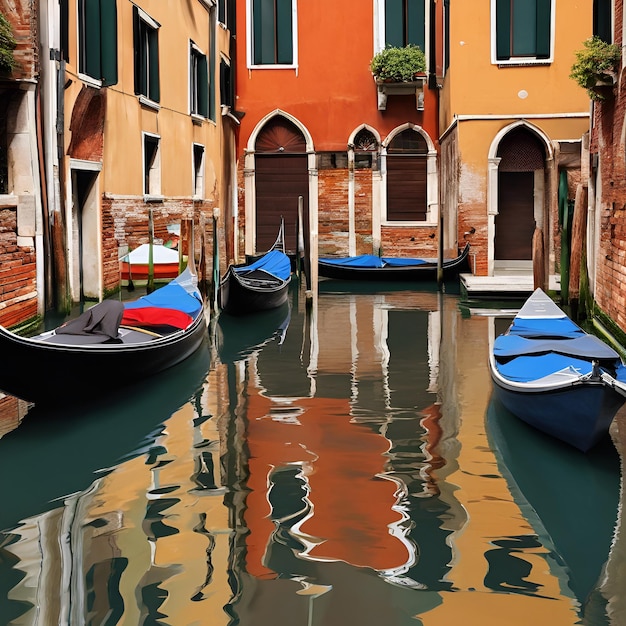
(579, 415)
(240, 296)
(408, 273)
(141, 271)
(52, 373)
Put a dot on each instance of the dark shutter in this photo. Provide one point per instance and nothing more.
(406, 188)
(140, 86)
(153, 64)
(108, 49)
(602, 26)
(543, 28)
(203, 86)
(90, 65)
(416, 23)
(64, 34)
(394, 21)
(503, 29)
(284, 37)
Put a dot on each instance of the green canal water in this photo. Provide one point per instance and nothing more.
(335, 464)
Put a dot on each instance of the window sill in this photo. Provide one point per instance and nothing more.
(90, 81)
(523, 63)
(149, 104)
(197, 119)
(154, 199)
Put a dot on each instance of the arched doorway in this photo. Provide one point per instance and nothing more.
(281, 176)
(520, 198)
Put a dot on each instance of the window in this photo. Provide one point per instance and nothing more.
(404, 23)
(198, 82)
(97, 40)
(602, 20)
(151, 165)
(223, 12)
(198, 170)
(273, 32)
(407, 178)
(522, 30)
(227, 94)
(146, 48)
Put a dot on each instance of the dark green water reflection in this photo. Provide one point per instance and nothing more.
(323, 467)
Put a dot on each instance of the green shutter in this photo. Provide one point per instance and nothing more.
(416, 23)
(137, 48)
(91, 63)
(602, 26)
(153, 64)
(108, 56)
(503, 29)
(284, 52)
(203, 86)
(544, 18)
(211, 107)
(394, 31)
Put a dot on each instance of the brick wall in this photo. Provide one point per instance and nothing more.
(608, 143)
(18, 291)
(333, 212)
(22, 16)
(125, 223)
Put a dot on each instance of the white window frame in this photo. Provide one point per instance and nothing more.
(521, 61)
(250, 43)
(154, 191)
(197, 172)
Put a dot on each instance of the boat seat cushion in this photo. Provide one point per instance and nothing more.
(156, 316)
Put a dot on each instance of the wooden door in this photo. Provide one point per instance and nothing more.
(515, 222)
(280, 180)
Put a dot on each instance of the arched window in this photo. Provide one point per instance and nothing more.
(406, 177)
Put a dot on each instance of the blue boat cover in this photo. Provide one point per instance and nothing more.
(275, 262)
(372, 261)
(170, 296)
(584, 346)
(546, 327)
(526, 368)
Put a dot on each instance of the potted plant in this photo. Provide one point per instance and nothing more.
(7, 45)
(398, 64)
(596, 65)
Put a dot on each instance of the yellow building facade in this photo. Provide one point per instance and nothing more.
(146, 131)
(511, 125)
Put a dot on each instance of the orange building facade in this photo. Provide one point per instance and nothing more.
(315, 125)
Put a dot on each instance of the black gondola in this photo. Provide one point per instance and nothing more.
(260, 285)
(110, 345)
(371, 267)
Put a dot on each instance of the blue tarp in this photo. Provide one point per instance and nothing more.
(526, 368)
(546, 327)
(274, 262)
(170, 296)
(585, 346)
(371, 260)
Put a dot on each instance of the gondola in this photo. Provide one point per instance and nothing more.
(110, 345)
(260, 285)
(371, 267)
(553, 375)
(135, 266)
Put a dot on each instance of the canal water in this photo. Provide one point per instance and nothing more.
(324, 465)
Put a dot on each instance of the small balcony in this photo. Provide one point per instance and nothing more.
(386, 88)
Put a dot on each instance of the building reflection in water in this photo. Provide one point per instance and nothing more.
(333, 467)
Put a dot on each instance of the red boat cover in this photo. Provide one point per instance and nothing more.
(156, 316)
